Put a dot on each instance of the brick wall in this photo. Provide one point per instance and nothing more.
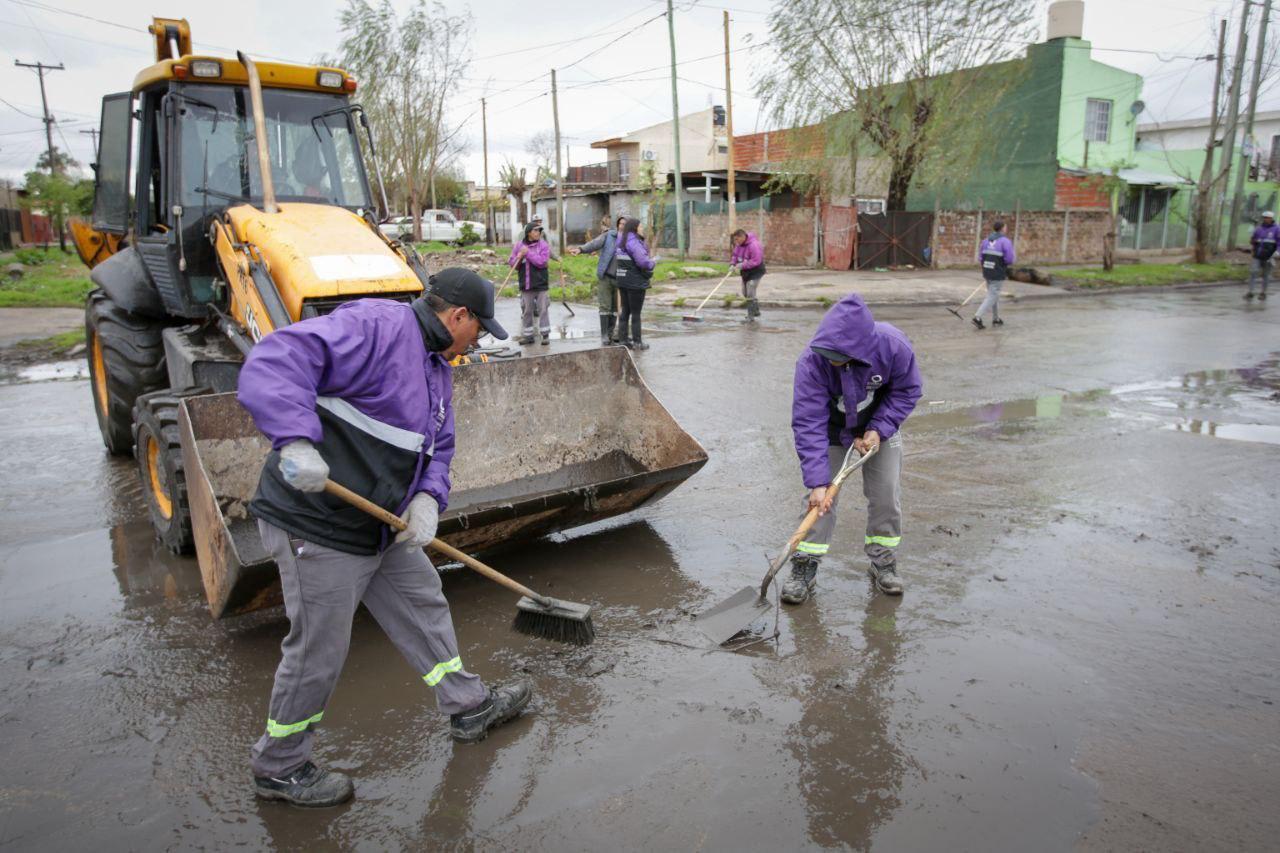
(1037, 235)
(754, 150)
(787, 234)
(1077, 191)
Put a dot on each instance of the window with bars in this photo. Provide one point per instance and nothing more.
(1097, 120)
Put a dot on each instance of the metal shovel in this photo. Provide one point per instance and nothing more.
(728, 618)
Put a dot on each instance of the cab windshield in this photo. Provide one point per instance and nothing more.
(311, 143)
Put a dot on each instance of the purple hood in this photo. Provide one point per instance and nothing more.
(877, 389)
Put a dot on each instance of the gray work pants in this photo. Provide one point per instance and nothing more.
(1259, 267)
(882, 486)
(535, 302)
(322, 588)
(992, 300)
(607, 294)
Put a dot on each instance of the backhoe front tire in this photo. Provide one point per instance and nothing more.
(158, 451)
(126, 360)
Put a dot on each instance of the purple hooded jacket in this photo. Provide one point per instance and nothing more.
(1264, 240)
(876, 390)
(537, 256)
(370, 354)
(749, 255)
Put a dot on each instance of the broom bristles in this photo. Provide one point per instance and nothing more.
(562, 622)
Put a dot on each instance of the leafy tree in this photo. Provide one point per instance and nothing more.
(408, 67)
(62, 161)
(58, 197)
(909, 82)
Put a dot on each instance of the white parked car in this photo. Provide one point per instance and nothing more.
(440, 225)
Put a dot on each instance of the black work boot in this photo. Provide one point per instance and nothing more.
(503, 703)
(996, 321)
(604, 329)
(525, 340)
(1249, 295)
(545, 337)
(803, 580)
(977, 321)
(636, 341)
(613, 330)
(308, 786)
(886, 578)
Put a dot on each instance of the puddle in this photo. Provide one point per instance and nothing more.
(1231, 404)
(1261, 433)
(47, 372)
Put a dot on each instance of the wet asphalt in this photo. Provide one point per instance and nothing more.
(1086, 654)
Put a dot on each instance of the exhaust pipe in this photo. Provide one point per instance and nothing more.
(260, 134)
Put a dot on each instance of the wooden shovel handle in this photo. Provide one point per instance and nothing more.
(392, 520)
(713, 292)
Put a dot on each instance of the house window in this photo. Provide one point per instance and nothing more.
(1097, 120)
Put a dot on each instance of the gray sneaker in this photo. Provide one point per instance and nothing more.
(887, 580)
(803, 580)
(308, 786)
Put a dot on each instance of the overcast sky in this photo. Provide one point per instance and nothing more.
(515, 46)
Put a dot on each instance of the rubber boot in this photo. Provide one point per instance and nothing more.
(636, 340)
(308, 786)
(803, 580)
(754, 308)
(612, 336)
(502, 703)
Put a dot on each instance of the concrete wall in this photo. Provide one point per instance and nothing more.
(1037, 235)
(786, 234)
(700, 142)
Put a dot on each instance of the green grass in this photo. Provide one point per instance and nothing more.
(434, 247)
(52, 280)
(583, 293)
(1151, 275)
(582, 269)
(678, 302)
(60, 342)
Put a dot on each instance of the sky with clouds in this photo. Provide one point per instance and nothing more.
(612, 61)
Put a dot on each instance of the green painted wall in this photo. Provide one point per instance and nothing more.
(1039, 124)
(1084, 78)
(1188, 162)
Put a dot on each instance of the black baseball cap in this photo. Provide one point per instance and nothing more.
(461, 286)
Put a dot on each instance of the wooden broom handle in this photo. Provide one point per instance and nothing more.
(392, 520)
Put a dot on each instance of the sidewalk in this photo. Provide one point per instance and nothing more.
(28, 324)
(804, 288)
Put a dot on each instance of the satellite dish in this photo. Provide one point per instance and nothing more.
(1137, 107)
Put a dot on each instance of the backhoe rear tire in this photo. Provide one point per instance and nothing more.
(158, 451)
(126, 360)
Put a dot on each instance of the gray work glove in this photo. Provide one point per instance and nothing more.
(421, 519)
(302, 466)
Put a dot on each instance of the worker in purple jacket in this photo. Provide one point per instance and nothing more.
(530, 257)
(748, 259)
(1263, 244)
(855, 384)
(635, 270)
(996, 256)
(365, 396)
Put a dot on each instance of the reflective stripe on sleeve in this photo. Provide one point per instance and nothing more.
(441, 670)
(886, 541)
(275, 729)
(814, 549)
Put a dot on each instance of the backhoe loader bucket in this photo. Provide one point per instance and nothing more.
(544, 444)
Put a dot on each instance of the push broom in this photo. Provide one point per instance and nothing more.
(694, 318)
(536, 615)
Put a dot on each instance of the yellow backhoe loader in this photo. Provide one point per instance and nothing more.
(232, 199)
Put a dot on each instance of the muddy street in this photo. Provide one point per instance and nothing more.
(1086, 653)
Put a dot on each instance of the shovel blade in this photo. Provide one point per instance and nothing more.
(730, 616)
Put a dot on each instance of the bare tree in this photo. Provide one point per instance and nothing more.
(408, 66)
(908, 81)
(542, 148)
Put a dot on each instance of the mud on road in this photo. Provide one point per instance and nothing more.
(1086, 653)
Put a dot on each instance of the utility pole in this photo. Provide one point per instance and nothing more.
(94, 134)
(1258, 58)
(728, 120)
(40, 68)
(488, 208)
(1233, 116)
(675, 122)
(1204, 203)
(555, 115)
